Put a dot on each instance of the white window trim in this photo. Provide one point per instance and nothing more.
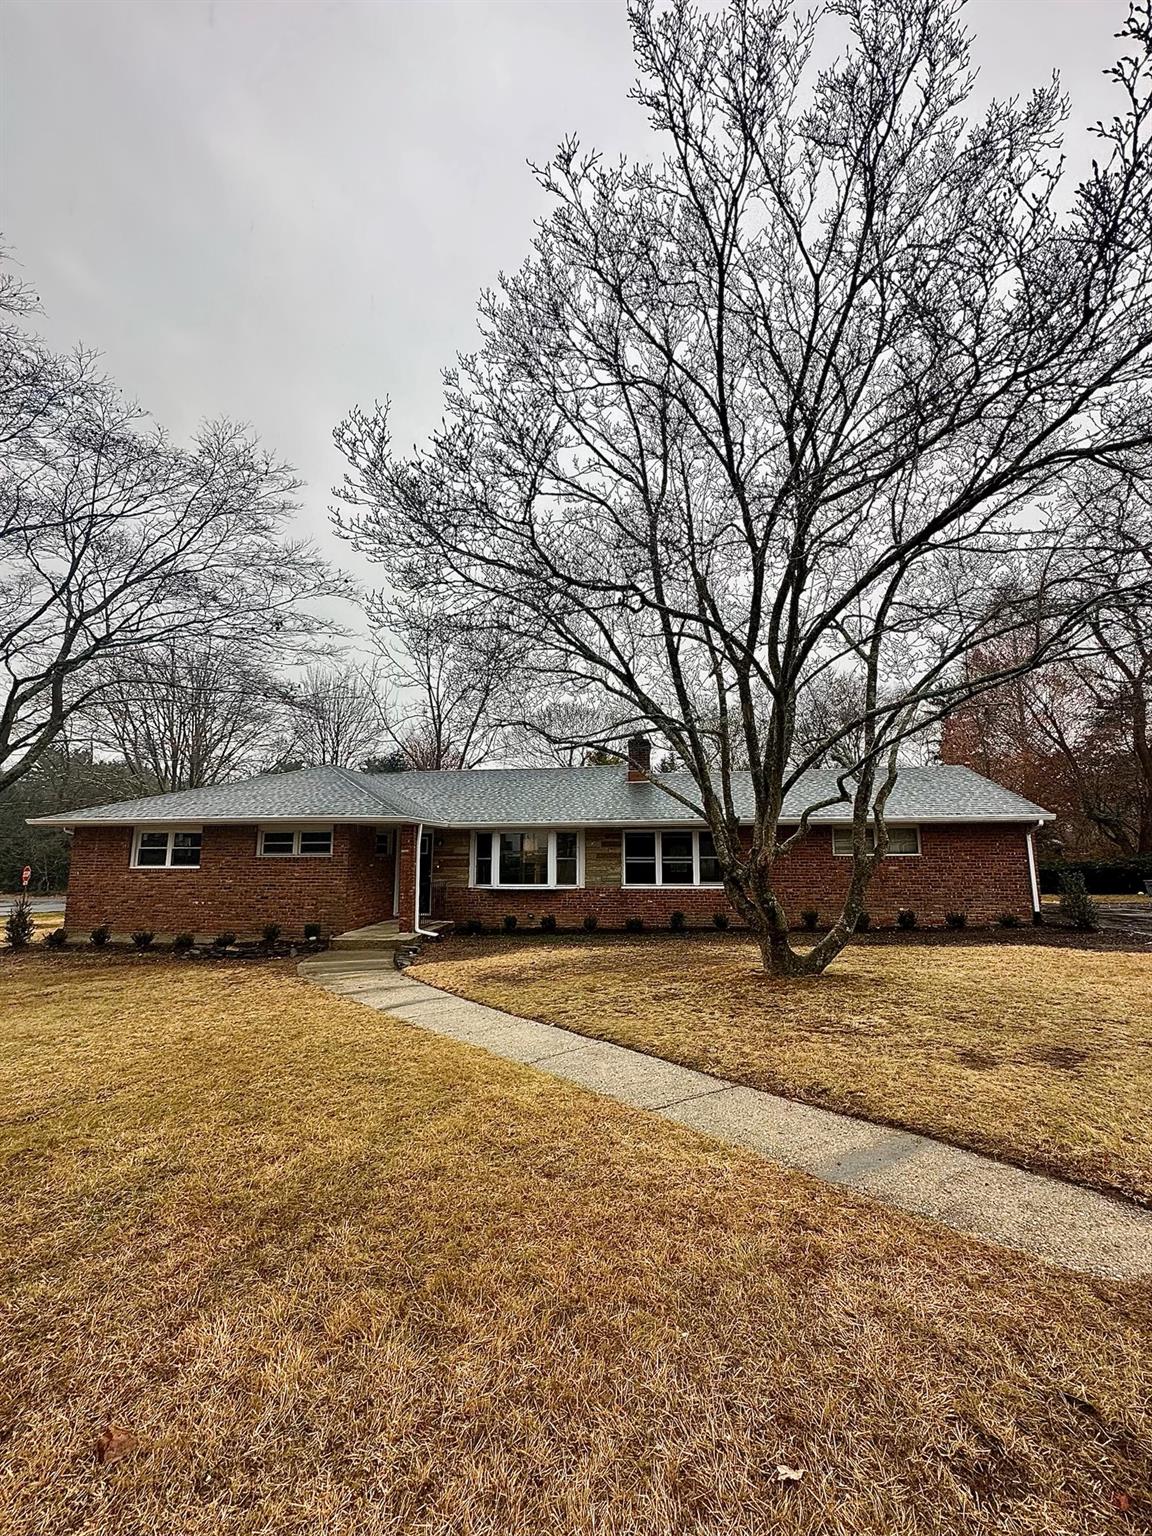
(661, 883)
(892, 853)
(295, 850)
(389, 833)
(496, 884)
(169, 831)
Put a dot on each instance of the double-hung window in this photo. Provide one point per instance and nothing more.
(527, 859)
(903, 842)
(670, 856)
(295, 842)
(169, 849)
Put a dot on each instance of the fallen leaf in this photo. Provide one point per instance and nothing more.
(1121, 1501)
(788, 1474)
(114, 1443)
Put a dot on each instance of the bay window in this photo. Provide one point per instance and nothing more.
(526, 858)
(671, 856)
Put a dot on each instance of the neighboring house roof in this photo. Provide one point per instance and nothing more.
(488, 797)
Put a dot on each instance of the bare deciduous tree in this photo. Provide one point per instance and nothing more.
(1077, 733)
(825, 389)
(113, 539)
(336, 717)
(569, 731)
(183, 714)
(446, 682)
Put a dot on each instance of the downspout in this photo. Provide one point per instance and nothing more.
(424, 933)
(1033, 880)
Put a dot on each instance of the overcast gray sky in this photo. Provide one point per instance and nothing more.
(276, 210)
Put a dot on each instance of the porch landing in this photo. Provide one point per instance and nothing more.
(385, 935)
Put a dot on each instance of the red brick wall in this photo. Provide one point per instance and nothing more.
(370, 879)
(232, 890)
(979, 870)
(406, 853)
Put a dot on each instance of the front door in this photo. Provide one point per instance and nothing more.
(425, 873)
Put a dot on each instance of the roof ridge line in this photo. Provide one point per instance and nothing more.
(357, 783)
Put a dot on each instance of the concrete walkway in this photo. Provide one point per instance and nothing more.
(1045, 1217)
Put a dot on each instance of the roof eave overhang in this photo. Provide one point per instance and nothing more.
(248, 820)
(70, 823)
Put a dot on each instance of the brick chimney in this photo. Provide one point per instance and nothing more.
(639, 759)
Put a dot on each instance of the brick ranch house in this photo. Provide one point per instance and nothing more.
(341, 849)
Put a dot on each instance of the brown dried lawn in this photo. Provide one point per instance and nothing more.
(295, 1267)
(1038, 1055)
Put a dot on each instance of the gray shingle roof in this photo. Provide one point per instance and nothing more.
(533, 797)
(324, 794)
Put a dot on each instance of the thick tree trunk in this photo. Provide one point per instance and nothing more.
(779, 959)
(753, 896)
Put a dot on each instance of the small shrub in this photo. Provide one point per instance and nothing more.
(224, 941)
(548, 923)
(20, 925)
(809, 918)
(956, 919)
(511, 922)
(1076, 906)
(721, 920)
(906, 918)
(474, 926)
(100, 936)
(591, 923)
(182, 943)
(311, 932)
(863, 922)
(677, 922)
(270, 933)
(634, 924)
(56, 939)
(142, 938)
(1008, 920)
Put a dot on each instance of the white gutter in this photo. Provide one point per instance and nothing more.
(1033, 879)
(424, 933)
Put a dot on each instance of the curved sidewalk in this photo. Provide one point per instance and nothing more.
(1046, 1217)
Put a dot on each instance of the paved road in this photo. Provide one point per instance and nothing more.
(1134, 917)
(48, 904)
(1048, 1218)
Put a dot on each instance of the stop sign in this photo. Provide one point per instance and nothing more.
(25, 875)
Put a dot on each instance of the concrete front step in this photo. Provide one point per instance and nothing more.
(349, 966)
(375, 936)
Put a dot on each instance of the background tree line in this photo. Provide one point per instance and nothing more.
(1076, 736)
